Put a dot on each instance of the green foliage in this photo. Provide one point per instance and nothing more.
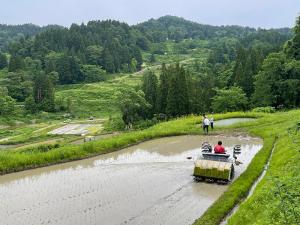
(178, 95)
(133, 106)
(277, 84)
(163, 90)
(149, 87)
(152, 58)
(3, 61)
(229, 100)
(276, 198)
(267, 109)
(93, 73)
(8, 105)
(93, 54)
(114, 124)
(292, 47)
(177, 29)
(97, 99)
(247, 65)
(16, 63)
(12, 33)
(18, 85)
(43, 93)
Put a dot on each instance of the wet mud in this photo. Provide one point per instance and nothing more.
(150, 183)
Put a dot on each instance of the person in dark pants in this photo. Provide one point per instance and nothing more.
(211, 120)
(203, 117)
(206, 123)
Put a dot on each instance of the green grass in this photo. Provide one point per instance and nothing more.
(97, 99)
(26, 133)
(276, 199)
(263, 207)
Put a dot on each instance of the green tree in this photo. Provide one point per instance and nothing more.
(30, 105)
(152, 58)
(3, 61)
(93, 54)
(93, 73)
(133, 106)
(18, 85)
(178, 96)
(16, 63)
(149, 87)
(229, 100)
(133, 65)
(163, 89)
(8, 105)
(43, 92)
(267, 82)
(292, 47)
(108, 61)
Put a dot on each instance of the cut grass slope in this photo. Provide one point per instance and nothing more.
(265, 206)
(276, 199)
(97, 99)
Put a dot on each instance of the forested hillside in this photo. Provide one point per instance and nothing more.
(11, 33)
(214, 64)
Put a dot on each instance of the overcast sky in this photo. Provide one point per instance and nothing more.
(253, 13)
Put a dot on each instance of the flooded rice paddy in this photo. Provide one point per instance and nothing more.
(150, 183)
(231, 121)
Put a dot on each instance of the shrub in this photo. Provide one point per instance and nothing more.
(267, 109)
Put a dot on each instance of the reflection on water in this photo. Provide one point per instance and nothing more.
(228, 122)
(150, 183)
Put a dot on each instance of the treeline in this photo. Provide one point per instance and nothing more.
(175, 92)
(175, 28)
(10, 33)
(90, 52)
(262, 72)
(32, 66)
(278, 82)
(111, 45)
(263, 67)
(166, 95)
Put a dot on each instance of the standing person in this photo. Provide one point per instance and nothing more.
(211, 120)
(206, 123)
(203, 118)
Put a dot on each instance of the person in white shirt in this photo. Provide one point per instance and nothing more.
(206, 124)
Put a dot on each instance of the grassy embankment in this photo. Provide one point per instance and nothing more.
(276, 198)
(97, 99)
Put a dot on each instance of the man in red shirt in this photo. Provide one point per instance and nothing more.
(219, 149)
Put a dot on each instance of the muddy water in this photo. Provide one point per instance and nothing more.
(2, 147)
(150, 183)
(228, 122)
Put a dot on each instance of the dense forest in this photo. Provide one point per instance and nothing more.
(11, 33)
(244, 68)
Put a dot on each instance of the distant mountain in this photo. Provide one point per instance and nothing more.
(117, 47)
(176, 28)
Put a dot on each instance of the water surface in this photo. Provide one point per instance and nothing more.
(149, 183)
(228, 122)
